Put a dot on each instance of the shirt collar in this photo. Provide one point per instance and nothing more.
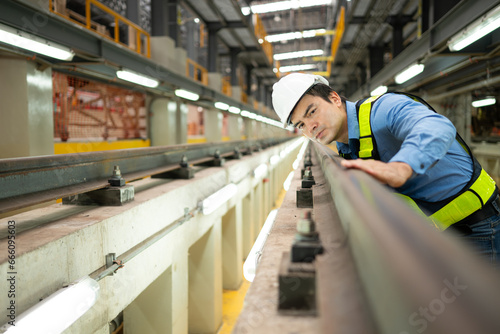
(352, 120)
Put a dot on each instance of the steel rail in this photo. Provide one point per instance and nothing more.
(28, 181)
(415, 278)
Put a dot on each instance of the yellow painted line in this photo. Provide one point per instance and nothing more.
(196, 140)
(226, 138)
(232, 303)
(78, 147)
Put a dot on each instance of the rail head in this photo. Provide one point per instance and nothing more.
(415, 277)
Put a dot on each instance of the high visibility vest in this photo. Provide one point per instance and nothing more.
(480, 189)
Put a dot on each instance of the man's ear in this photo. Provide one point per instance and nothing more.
(335, 98)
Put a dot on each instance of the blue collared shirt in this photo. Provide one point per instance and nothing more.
(407, 131)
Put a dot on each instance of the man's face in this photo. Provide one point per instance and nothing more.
(321, 121)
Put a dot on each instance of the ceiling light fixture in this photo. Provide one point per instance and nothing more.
(488, 101)
(221, 105)
(293, 68)
(409, 73)
(185, 94)
(283, 5)
(137, 78)
(379, 90)
(23, 40)
(294, 35)
(298, 54)
(477, 29)
(234, 110)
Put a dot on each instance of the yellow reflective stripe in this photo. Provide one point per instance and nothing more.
(465, 204)
(366, 147)
(411, 203)
(365, 130)
(484, 186)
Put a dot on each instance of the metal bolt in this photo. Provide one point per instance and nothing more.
(184, 161)
(217, 154)
(116, 180)
(306, 225)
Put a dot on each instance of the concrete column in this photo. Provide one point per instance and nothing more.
(163, 121)
(181, 123)
(234, 127)
(376, 59)
(27, 126)
(213, 125)
(151, 311)
(258, 209)
(205, 283)
(234, 66)
(180, 288)
(248, 230)
(232, 252)
(212, 49)
(249, 128)
(133, 11)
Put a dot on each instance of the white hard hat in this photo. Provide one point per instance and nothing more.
(289, 90)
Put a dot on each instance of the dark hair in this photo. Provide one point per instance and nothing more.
(322, 91)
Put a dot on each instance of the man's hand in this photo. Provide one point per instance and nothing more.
(394, 174)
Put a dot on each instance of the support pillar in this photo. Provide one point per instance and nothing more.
(27, 126)
(232, 252)
(234, 66)
(181, 123)
(159, 18)
(234, 127)
(376, 59)
(212, 49)
(205, 283)
(151, 311)
(173, 28)
(213, 125)
(249, 128)
(163, 116)
(248, 232)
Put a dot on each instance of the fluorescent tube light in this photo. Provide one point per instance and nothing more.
(292, 68)
(234, 110)
(137, 78)
(274, 160)
(409, 73)
(284, 5)
(185, 94)
(476, 30)
(253, 258)
(260, 171)
(298, 54)
(33, 43)
(214, 201)
(484, 102)
(288, 181)
(293, 35)
(379, 90)
(58, 311)
(221, 105)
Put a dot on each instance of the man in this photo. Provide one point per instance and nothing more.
(404, 144)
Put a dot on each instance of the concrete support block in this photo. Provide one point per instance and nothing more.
(27, 127)
(213, 125)
(151, 311)
(205, 283)
(232, 266)
(112, 196)
(215, 81)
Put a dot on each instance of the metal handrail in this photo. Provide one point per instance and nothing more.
(117, 19)
(33, 180)
(415, 277)
(196, 67)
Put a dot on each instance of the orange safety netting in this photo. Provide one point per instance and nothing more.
(89, 110)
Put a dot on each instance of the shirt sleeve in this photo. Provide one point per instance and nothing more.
(425, 135)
